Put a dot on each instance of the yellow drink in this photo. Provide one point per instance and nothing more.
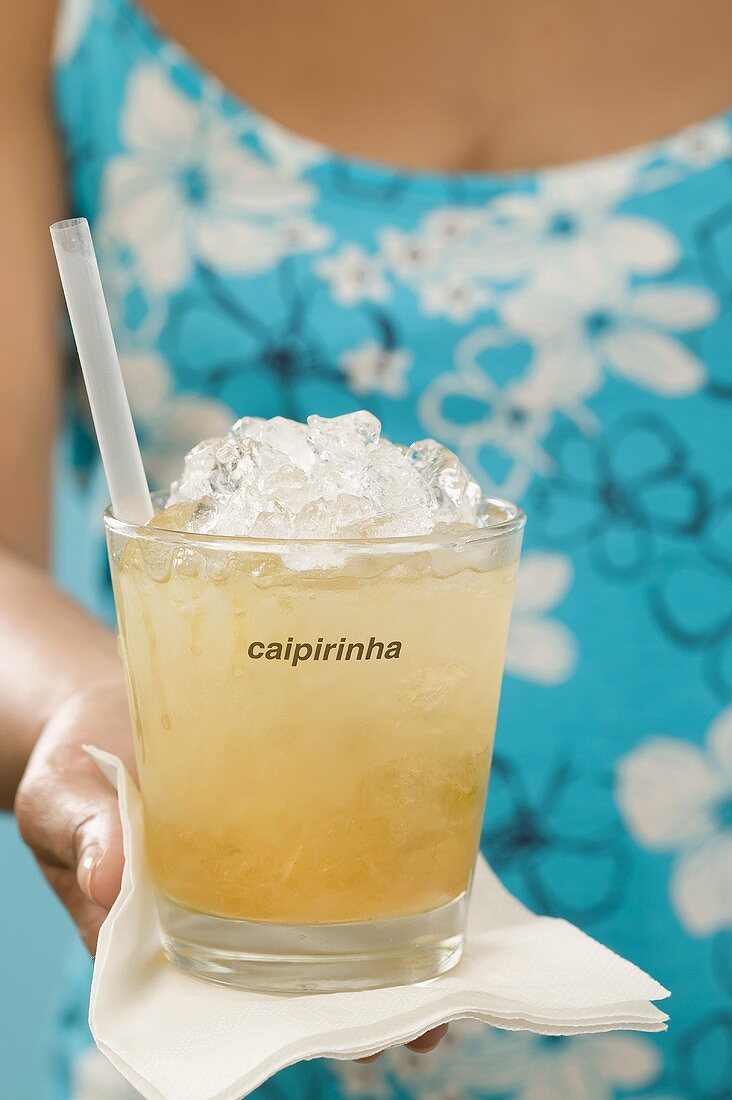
(342, 788)
(313, 744)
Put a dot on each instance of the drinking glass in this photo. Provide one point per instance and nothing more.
(314, 725)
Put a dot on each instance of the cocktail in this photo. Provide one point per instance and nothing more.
(314, 632)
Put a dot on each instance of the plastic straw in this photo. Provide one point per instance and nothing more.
(77, 264)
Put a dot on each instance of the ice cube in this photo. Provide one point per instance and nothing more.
(290, 439)
(456, 492)
(238, 512)
(195, 481)
(247, 427)
(394, 487)
(272, 522)
(359, 430)
(327, 479)
(343, 446)
(230, 467)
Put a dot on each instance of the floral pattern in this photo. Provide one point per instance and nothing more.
(539, 648)
(703, 145)
(353, 277)
(568, 334)
(185, 192)
(690, 600)
(619, 491)
(586, 315)
(372, 367)
(572, 221)
(677, 798)
(543, 848)
(501, 411)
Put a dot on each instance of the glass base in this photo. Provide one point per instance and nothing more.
(314, 958)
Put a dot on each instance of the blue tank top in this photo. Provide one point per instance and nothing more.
(569, 333)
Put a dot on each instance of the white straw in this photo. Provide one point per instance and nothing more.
(77, 264)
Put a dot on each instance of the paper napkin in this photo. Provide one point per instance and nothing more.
(176, 1037)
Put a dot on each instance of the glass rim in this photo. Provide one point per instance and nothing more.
(515, 519)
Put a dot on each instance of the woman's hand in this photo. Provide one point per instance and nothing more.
(67, 811)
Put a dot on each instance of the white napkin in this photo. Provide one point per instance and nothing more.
(175, 1037)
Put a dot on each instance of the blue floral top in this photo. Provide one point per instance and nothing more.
(569, 334)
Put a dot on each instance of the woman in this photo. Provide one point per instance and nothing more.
(553, 308)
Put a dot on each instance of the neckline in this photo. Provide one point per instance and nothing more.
(382, 178)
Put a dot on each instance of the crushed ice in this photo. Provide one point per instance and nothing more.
(327, 479)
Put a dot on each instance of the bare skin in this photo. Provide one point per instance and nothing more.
(464, 85)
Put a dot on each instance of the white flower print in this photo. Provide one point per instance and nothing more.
(702, 145)
(73, 18)
(539, 648)
(94, 1078)
(372, 368)
(408, 256)
(476, 249)
(512, 419)
(168, 424)
(304, 235)
(677, 798)
(291, 152)
(453, 260)
(185, 191)
(456, 298)
(353, 276)
(570, 216)
(589, 320)
(476, 244)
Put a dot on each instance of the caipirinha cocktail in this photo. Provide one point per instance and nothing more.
(314, 719)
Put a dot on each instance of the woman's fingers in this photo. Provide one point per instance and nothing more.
(67, 812)
(422, 1045)
(427, 1042)
(70, 820)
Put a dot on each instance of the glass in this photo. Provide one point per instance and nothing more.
(313, 731)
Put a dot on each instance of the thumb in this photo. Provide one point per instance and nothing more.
(68, 815)
(99, 856)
